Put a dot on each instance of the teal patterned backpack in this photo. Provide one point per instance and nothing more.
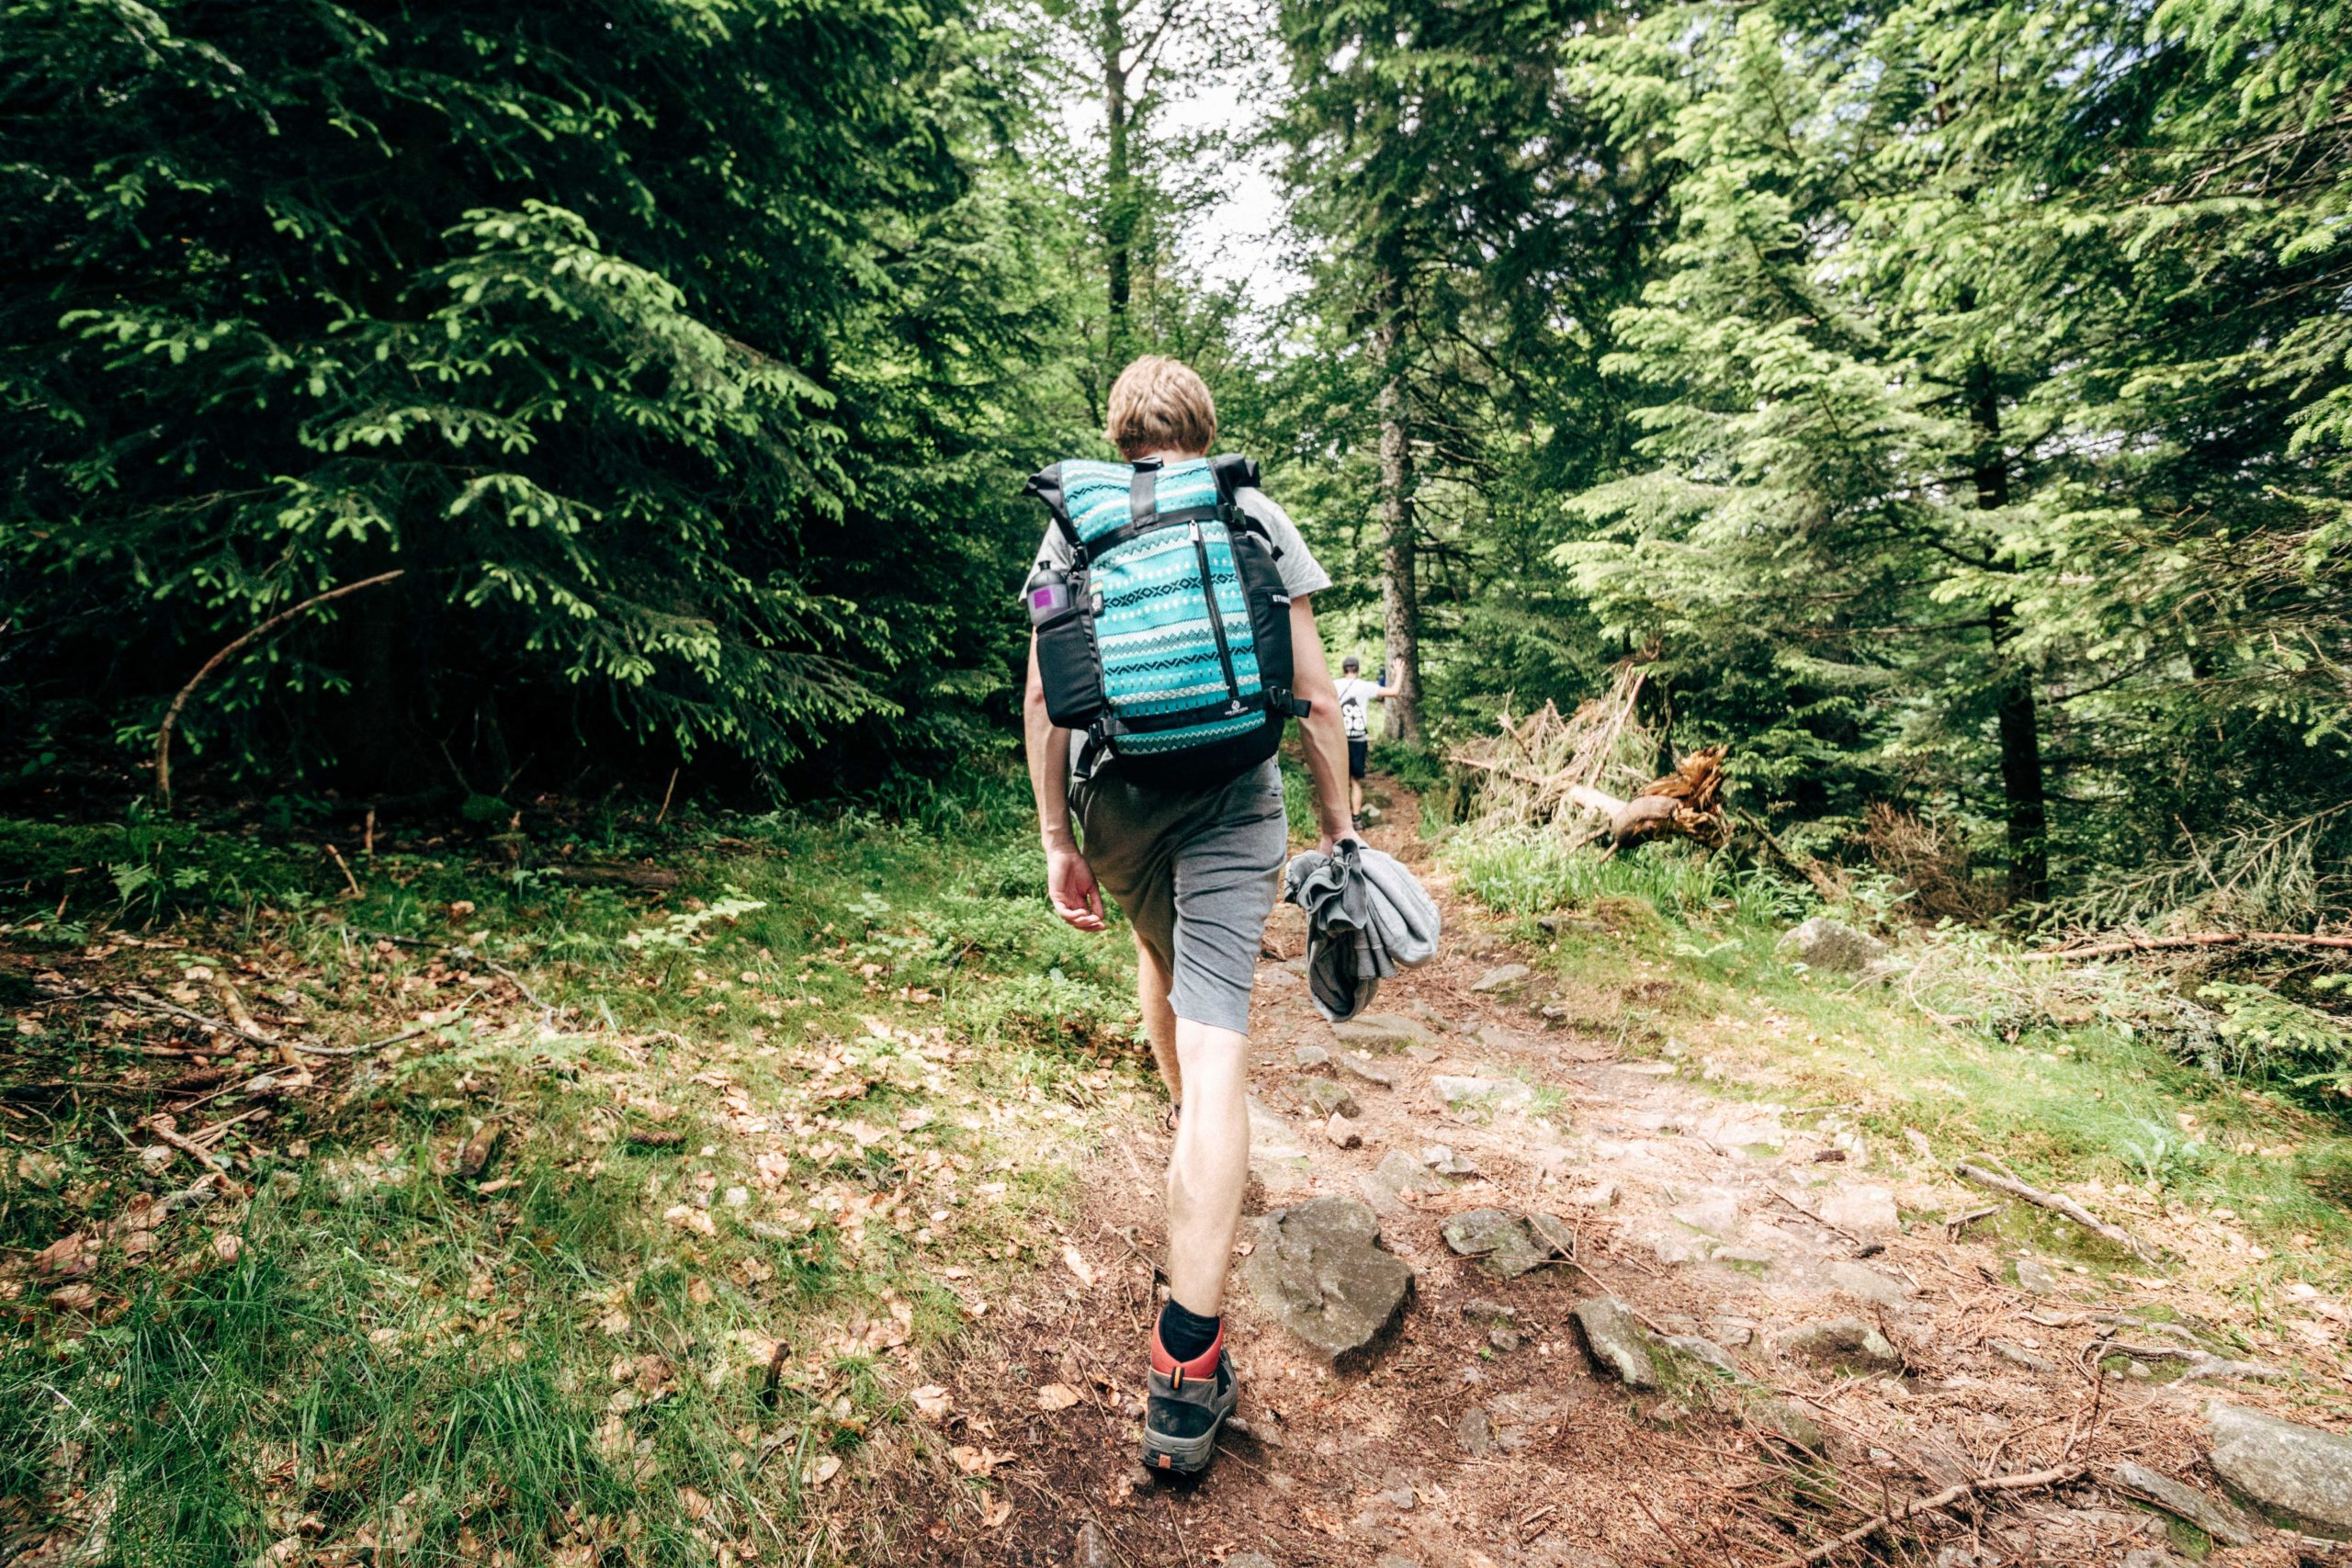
(1167, 642)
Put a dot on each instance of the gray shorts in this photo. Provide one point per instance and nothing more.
(1195, 872)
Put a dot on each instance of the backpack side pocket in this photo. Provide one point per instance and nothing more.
(1068, 668)
(1269, 601)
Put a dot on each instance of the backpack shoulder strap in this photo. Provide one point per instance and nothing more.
(1234, 473)
(1046, 484)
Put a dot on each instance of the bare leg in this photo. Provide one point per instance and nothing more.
(1355, 796)
(1210, 1165)
(1152, 982)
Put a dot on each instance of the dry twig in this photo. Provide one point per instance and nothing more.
(2057, 1203)
(1903, 1512)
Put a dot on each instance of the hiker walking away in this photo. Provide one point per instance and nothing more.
(1356, 697)
(1173, 636)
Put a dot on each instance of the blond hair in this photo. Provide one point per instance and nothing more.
(1160, 405)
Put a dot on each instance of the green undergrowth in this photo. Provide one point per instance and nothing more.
(794, 1100)
(1676, 955)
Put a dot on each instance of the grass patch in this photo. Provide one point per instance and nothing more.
(845, 1037)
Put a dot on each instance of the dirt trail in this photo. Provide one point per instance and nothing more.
(1471, 1440)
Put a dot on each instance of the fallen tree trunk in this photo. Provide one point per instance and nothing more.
(1685, 802)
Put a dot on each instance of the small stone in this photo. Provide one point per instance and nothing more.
(1319, 1271)
(1327, 1098)
(1789, 1422)
(1474, 1434)
(1459, 1093)
(1399, 1172)
(1311, 1056)
(1504, 1340)
(1823, 944)
(1427, 1015)
(1705, 1351)
(1843, 1341)
(1424, 1053)
(2282, 1464)
(1605, 1327)
(1251, 1560)
(1600, 1195)
(1093, 1551)
(1400, 1498)
(1385, 1032)
(2034, 1278)
(2217, 1518)
(1497, 1237)
(1342, 1132)
(1441, 1157)
(1862, 1208)
(2018, 1355)
(1367, 1069)
(1479, 1309)
(1502, 978)
(1860, 1279)
(1390, 1560)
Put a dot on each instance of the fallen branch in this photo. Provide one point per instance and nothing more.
(1903, 1513)
(206, 1160)
(2199, 938)
(2057, 1202)
(172, 714)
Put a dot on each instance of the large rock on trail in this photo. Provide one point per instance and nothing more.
(1605, 1327)
(1823, 944)
(2281, 1464)
(1320, 1271)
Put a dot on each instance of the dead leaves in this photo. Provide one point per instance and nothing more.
(933, 1402)
(1075, 1261)
(1056, 1396)
(977, 1460)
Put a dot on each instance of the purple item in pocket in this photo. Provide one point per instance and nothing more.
(1047, 599)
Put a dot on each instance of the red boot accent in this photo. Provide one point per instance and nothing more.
(1201, 1365)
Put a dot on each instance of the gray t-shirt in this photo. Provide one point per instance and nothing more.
(1302, 573)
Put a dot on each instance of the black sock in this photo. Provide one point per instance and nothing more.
(1185, 1334)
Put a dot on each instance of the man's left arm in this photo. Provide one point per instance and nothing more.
(1327, 739)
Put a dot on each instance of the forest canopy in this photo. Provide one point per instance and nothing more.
(1949, 404)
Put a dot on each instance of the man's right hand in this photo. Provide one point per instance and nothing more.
(1069, 883)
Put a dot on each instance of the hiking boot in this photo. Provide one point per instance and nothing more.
(1187, 1403)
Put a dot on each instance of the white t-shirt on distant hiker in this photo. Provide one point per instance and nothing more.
(1356, 697)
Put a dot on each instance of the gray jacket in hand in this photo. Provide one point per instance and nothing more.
(1366, 918)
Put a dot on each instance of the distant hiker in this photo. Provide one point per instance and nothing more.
(1356, 697)
(1176, 711)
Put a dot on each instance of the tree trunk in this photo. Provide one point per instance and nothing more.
(1400, 589)
(1118, 214)
(2021, 730)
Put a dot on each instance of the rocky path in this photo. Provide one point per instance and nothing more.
(1508, 1299)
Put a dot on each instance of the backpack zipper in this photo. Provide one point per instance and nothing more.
(1217, 615)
